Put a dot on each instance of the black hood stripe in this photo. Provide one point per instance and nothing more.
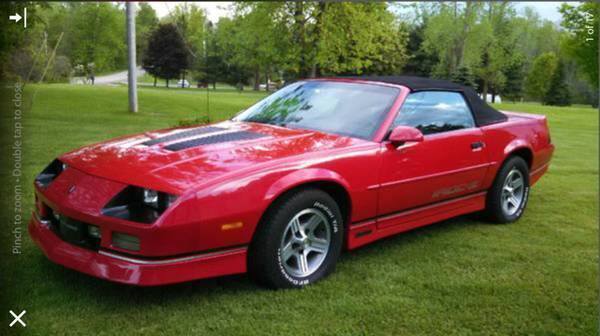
(213, 139)
(184, 134)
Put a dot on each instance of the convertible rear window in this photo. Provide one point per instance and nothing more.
(351, 109)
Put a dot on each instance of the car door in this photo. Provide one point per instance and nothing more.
(449, 163)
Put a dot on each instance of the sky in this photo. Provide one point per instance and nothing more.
(215, 9)
(547, 10)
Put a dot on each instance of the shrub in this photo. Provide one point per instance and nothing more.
(202, 120)
(61, 70)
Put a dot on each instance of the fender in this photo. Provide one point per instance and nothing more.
(498, 159)
(304, 176)
(516, 145)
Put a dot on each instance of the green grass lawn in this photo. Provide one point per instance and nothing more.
(538, 276)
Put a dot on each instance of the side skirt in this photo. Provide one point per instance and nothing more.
(365, 232)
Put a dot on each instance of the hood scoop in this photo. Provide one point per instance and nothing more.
(183, 135)
(214, 139)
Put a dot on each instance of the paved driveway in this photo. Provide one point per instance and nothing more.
(117, 77)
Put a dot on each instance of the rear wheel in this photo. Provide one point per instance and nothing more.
(508, 197)
(298, 241)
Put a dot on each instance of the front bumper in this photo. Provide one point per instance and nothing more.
(133, 270)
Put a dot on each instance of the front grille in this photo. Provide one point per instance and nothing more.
(72, 231)
(213, 139)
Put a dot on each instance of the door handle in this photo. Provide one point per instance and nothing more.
(478, 145)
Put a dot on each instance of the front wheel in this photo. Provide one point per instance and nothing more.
(508, 197)
(298, 241)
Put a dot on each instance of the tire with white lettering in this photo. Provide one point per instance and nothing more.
(299, 240)
(508, 197)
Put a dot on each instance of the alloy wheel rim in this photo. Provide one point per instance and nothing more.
(305, 243)
(513, 192)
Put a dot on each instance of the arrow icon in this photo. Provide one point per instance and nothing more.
(15, 17)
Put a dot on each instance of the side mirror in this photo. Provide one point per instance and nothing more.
(403, 134)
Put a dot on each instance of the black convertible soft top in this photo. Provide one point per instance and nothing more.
(482, 112)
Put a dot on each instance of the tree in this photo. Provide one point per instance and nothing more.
(166, 56)
(419, 63)
(89, 32)
(191, 22)
(300, 14)
(255, 39)
(513, 87)
(145, 22)
(582, 92)
(308, 39)
(477, 37)
(536, 83)
(217, 65)
(490, 72)
(222, 42)
(212, 63)
(463, 75)
(345, 46)
(534, 36)
(13, 38)
(498, 46)
(558, 91)
(582, 23)
(450, 36)
(96, 35)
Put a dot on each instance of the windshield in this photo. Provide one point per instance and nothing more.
(351, 109)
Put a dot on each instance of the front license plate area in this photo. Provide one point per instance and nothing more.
(72, 231)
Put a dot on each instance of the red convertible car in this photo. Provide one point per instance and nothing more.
(281, 189)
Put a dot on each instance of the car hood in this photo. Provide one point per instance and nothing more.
(173, 160)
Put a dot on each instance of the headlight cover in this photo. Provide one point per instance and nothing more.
(138, 204)
(50, 173)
